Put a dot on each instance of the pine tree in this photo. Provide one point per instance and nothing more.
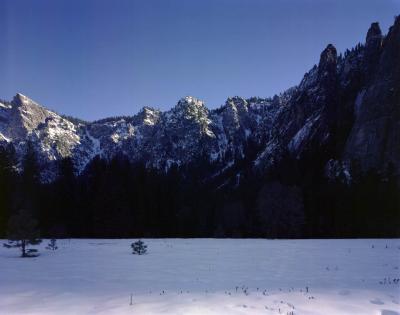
(52, 244)
(139, 248)
(22, 232)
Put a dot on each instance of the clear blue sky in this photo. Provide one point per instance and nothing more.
(95, 58)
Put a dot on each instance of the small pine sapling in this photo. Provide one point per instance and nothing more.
(139, 248)
(22, 232)
(52, 244)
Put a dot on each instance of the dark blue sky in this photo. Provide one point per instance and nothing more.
(94, 58)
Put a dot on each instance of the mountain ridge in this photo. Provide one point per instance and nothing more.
(338, 109)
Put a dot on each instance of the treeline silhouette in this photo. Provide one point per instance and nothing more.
(118, 198)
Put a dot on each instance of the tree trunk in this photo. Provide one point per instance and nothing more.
(23, 248)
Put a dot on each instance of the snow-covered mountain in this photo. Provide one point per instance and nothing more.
(161, 139)
(347, 104)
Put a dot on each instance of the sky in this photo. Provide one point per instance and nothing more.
(94, 58)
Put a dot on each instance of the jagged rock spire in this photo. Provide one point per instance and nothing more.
(374, 35)
(20, 99)
(393, 36)
(327, 65)
(373, 47)
(328, 56)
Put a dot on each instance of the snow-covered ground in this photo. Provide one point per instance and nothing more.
(205, 276)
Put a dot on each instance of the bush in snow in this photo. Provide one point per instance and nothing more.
(139, 248)
(22, 231)
(52, 244)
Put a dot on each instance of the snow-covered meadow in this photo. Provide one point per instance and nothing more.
(204, 276)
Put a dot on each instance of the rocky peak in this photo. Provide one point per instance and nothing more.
(26, 115)
(373, 48)
(328, 59)
(393, 37)
(24, 103)
(235, 113)
(20, 99)
(238, 103)
(396, 23)
(374, 35)
(190, 101)
(148, 116)
(190, 108)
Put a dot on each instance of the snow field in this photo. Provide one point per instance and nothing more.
(205, 276)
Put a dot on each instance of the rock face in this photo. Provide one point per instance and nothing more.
(374, 139)
(347, 107)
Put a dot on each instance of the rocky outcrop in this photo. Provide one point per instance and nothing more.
(25, 116)
(375, 138)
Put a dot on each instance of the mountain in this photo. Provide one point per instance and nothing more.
(345, 109)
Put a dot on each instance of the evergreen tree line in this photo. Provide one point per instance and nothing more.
(118, 198)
